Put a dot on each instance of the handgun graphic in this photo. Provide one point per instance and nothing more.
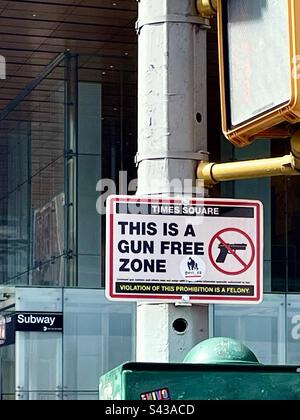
(225, 250)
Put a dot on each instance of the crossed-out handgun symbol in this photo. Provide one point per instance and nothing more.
(226, 249)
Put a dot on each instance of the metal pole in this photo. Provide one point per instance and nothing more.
(71, 168)
(171, 130)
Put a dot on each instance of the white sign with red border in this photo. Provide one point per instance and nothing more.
(191, 250)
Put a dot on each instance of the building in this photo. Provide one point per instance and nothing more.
(68, 119)
(68, 116)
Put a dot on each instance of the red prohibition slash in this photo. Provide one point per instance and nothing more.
(245, 265)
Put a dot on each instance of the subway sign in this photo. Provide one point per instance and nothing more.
(39, 321)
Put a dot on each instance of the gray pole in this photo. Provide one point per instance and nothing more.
(171, 130)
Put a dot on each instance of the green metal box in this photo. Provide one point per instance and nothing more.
(149, 381)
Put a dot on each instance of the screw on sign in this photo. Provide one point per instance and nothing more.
(231, 251)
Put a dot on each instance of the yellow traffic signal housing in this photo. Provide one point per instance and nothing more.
(259, 55)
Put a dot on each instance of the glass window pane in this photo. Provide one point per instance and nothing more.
(38, 395)
(81, 396)
(39, 300)
(89, 118)
(292, 216)
(32, 180)
(89, 221)
(293, 330)
(49, 273)
(18, 235)
(261, 327)
(48, 225)
(7, 372)
(94, 341)
(258, 189)
(38, 361)
(89, 271)
(45, 110)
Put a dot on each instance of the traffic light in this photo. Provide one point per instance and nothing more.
(259, 54)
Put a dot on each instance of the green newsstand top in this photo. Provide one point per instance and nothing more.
(221, 350)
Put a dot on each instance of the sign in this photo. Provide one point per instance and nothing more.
(7, 330)
(198, 250)
(221, 246)
(39, 321)
(49, 242)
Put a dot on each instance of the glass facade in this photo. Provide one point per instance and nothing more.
(32, 191)
(97, 335)
(72, 128)
(32, 187)
(75, 128)
(271, 329)
(261, 327)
